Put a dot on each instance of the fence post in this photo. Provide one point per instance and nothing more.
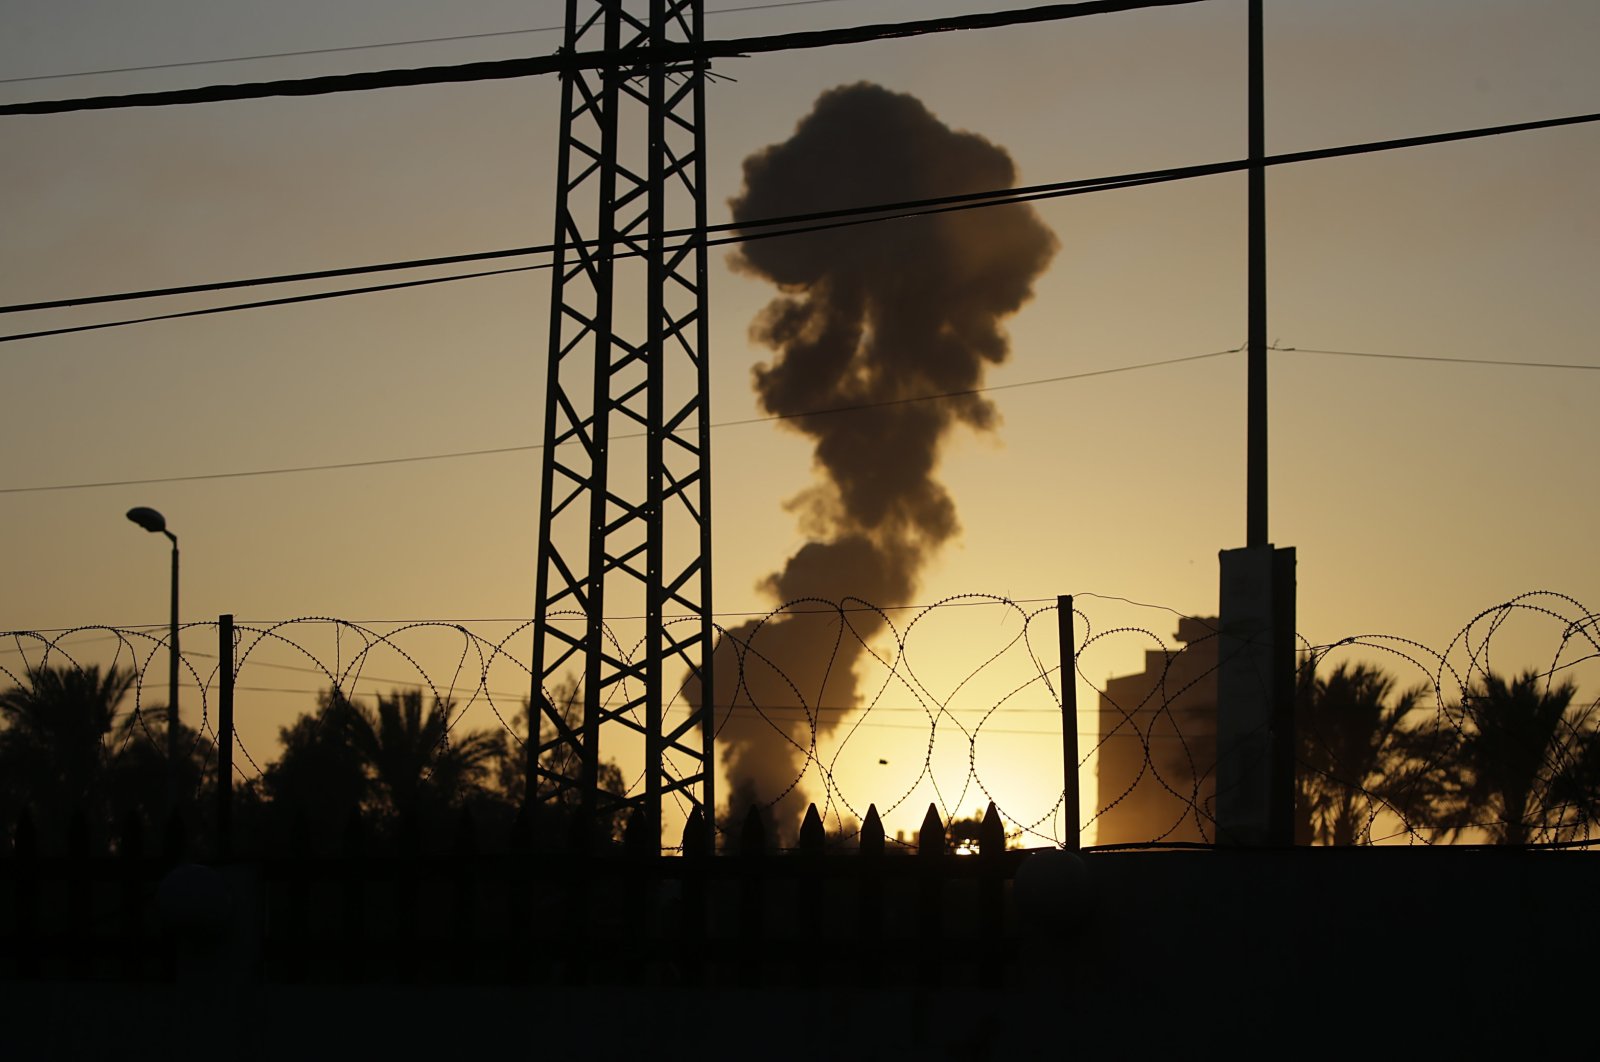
(1071, 810)
(869, 924)
(696, 855)
(524, 901)
(77, 925)
(931, 869)
(293, 936)
(131, 860)
(578, 877)
(992, 895)
(408, 885)
(353, 866)
(225, 737)
(465, 870)
(25, 850)
(641, 851)
(174, 845)
(812, 896)
(752, 898)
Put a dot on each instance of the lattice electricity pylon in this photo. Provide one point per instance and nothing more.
(623, 533)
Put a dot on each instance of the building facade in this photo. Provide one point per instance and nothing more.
(1158, 744)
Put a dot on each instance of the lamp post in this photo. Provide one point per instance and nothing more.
(153, 521)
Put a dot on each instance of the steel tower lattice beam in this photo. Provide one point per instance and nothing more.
(625, 534)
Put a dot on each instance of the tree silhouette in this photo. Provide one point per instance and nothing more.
(557, 806)
(319, 771)
(140, 773)
(416, 763)
(1512, 761)
(1352, 752)
(53, 749)
(390, 762)
(66, 747)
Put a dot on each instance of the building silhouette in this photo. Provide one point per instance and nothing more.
(1157, 744)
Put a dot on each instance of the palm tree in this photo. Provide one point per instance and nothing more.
(140, 775)
(1350, 752)
(413, 757)
(1511, 761)
(53, 751)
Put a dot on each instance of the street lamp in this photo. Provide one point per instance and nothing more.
(153, 521)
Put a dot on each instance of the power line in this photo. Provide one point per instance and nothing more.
(277, 471)
(1506, 362)
(840, 218)
(565, 62)
(861, 407)
(531, 447)
(970, 202)
(748, 229)
(368, 47)
(288, 300)
(274, 55)
(282, 278)
(978, 390)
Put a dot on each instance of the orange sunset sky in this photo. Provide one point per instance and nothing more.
(1417, 492)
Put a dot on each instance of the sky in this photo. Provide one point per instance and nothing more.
(1416, 493)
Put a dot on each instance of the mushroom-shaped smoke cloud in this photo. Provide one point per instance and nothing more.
(877, 316)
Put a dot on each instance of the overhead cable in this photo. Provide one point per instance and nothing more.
(793, 224)
(1498, 362)
(746, 228)
(742, 237)
(371, 47)
(688, 429)
(572, 62)
(531, 447)
(288, 300)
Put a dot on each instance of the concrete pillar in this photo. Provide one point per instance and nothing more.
(1255, 698)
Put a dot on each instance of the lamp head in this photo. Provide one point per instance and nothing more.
(148, 519)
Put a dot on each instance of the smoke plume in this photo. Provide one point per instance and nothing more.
(871, 315)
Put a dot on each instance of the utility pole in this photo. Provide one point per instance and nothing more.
(1256, 333)
(1255, 680)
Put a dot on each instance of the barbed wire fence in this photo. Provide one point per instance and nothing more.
(958, 704)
